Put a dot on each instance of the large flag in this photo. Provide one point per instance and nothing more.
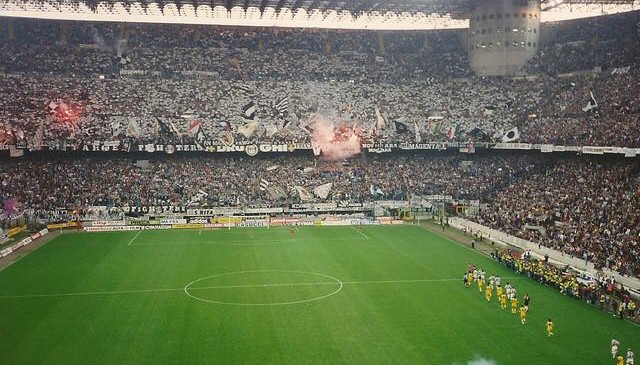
(282, 106)
(133, 128)
(193, 127)
(227, 138)
(198, 197)
(163, 129)
(174, 129)
(276, 193)
(322, 191)
(416, 130)
(400, 127)
(200, 136)
(479, 135)
(592, 104)
(248, 129)
(451, 132)
(249, 110)
(15, 152)
(380, 123)
(243, 88)
(380, 120)
(511, 135)
(489, 109)
(264, 184)
(375, 191)
(303, 194)
(270, 129)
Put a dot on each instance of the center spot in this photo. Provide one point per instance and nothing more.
(263, 287)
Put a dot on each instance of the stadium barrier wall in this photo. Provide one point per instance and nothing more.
(14, 231)
(237, 222)
(34, 236)
(70, 224)
(104, 223)
(540, 251)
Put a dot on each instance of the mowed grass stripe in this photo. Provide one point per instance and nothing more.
(408, 323)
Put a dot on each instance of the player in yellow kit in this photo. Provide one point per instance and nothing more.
(619, 360)
(502, 299)
(514, 305)
(480, 285)
(523, 315)
(549, 328)
(499, 291)
(487, 293)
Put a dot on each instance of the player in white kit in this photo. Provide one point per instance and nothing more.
(614, 348)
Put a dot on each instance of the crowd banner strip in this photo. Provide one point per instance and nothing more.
(255, 148)
(24, 242)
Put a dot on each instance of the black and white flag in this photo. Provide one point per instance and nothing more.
(512, 135)
(249, 110)
(282, 106)
(264, 184)
(592, 104)
(243, 88)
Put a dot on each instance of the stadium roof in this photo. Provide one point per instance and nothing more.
(329, 14)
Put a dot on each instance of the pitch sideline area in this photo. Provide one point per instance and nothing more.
(270, 296)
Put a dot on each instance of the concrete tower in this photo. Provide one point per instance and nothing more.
(503, 36)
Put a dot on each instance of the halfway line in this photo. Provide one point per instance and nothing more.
(230, 287)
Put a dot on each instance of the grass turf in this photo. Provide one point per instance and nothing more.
(118, 298)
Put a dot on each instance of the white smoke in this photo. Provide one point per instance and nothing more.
(119, 46)
(335, 141)
(478, 361)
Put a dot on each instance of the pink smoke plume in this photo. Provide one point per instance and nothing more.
(334, 141)
(9, 206)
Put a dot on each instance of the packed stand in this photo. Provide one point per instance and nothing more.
(587, 209)
(233, 181)
(418, 80)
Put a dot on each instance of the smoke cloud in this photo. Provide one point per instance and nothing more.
(336, 141)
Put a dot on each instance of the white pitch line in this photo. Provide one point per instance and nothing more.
(134, 238)
(227, 287)
(262, 285)
(360, 233)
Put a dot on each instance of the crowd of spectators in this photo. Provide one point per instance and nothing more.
(600, 291)
(584, 207)
(87, 82)
(232, 181)
(122, 80)
(587, 209)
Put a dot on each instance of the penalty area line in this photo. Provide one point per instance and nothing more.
(359, 232)
(134, 238)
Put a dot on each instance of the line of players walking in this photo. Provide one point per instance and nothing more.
(504, 294)
(619, 359)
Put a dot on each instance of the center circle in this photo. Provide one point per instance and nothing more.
(263, 287)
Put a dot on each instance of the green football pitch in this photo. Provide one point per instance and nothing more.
(326, 295)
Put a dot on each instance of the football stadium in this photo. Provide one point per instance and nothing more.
(292, 182)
